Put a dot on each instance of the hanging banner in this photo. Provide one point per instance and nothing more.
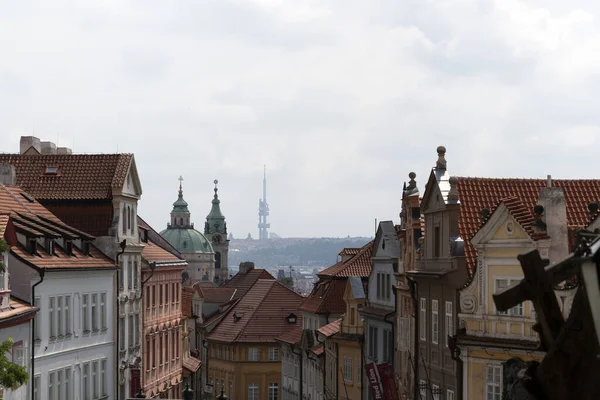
(386, 375)
(374, 381)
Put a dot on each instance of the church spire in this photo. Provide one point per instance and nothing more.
(215, 220)
(180, 215)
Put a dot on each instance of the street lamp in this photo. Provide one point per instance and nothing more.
(188, 394)
(223, 396)
(140, 394)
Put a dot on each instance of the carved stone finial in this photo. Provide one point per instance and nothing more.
(453, 194)
(441, 162)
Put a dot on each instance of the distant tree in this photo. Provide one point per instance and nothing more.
(11, 374)
(4, 248)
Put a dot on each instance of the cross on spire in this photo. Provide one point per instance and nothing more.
(180, 181)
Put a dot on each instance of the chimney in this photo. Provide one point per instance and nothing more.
(246, 267)
(48, 148)
(30, 141)
(441, 162)
(8, 175)
(64, 150)
(549, 181)
(555, 218)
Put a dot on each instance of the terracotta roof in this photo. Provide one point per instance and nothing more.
(259, 316)
(243, 282)
(349, 251)
(359, 265)
(478, 193)
(18, 308)
(327, 297)
(331, 328)
(192, 364)
(30, 216)
(157, 239)
(292, 336)
(79, 177)
(318, 349)
(219, 294)
(154, 253)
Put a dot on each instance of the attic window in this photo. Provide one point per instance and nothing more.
(27, 197)
(51, 171)
(292, 318)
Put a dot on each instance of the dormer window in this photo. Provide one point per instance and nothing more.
(50, 246)
(69, 247)
(49, 170)
(33, 246)
(292, 319)
(85, 247)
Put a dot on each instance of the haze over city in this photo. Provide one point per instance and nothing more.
(341, 100)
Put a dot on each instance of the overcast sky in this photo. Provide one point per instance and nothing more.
(340, 99)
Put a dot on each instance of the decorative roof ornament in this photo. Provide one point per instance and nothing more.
(412, 185)
(180, 205)
(453, 194)
(215, 220)
(441, 162)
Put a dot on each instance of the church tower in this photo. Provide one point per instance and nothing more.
(215, 230)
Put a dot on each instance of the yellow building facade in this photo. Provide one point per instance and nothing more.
(350, 378)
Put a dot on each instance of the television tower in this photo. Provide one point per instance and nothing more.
(263, 211)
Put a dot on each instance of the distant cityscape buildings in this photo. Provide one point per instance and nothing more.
(263, 212)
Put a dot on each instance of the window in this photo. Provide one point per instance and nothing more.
(253, 354)
(67, 316)
(404, 333)
(449, 394)
(232, 354)
(129, 280)
(273, 354)
(273, 391)
(103, 317)
(135, 275)
(2, 286)
(85, 323)
(359, 373)
(130, 331)
(52, 385)
(58, 312)
(388, 287)
(388, 346)
(37, 382)
(94, 312)
(423, 389)
(449, 321)
(494, 382)
(378, 285)
(373, 333)
(422, 319)
(86, 381)
(437, 242)
(38, 321)
(436, 392)
(128, 218)
(51, 316)
(218, 350)
(434, 322)
(122, 277)
(502, 284)
(352, 316)
(122, 333)
(136, 326)
(18, 354)
(252, 391)
(58, 385)
(124, 220)
(348, 367)
(95, 379)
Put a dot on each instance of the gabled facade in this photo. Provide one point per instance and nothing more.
(379, 312)
(411, 230)
(440, 271)
(349, 342)
(97, 194)
(515, 217)
(57, 268)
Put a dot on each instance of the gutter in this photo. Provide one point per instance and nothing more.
(42, 272)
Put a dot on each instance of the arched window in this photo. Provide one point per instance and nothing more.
(132, 220)
(124, 220)
(217, 260)
(128, 218)
(181, 221)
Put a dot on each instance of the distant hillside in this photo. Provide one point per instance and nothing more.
(315, 252)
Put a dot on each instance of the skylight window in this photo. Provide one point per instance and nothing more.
(51, 171)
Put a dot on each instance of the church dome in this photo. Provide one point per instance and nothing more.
(187, 240)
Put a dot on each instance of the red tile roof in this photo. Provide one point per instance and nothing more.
(259, 316)
(219, 294)
(292, 336)
(95, 260)
(327, 297)
(359, 265)
(192, 364)
(243, 282)
(478, 193)
(330, 329)
(154, 253)
(156, 238)
(18, 308)
(80, 176)
(349, 251)
(318, 349)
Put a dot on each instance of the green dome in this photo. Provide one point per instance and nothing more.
(187, 240)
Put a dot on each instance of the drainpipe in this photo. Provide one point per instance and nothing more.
(42, 272)
(122, 245)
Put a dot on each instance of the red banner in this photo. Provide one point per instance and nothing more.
(386, 375)
(374, 381)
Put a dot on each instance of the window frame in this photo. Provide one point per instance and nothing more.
(495, 386)
(449, 320)
(435, 328)
(423, 319)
